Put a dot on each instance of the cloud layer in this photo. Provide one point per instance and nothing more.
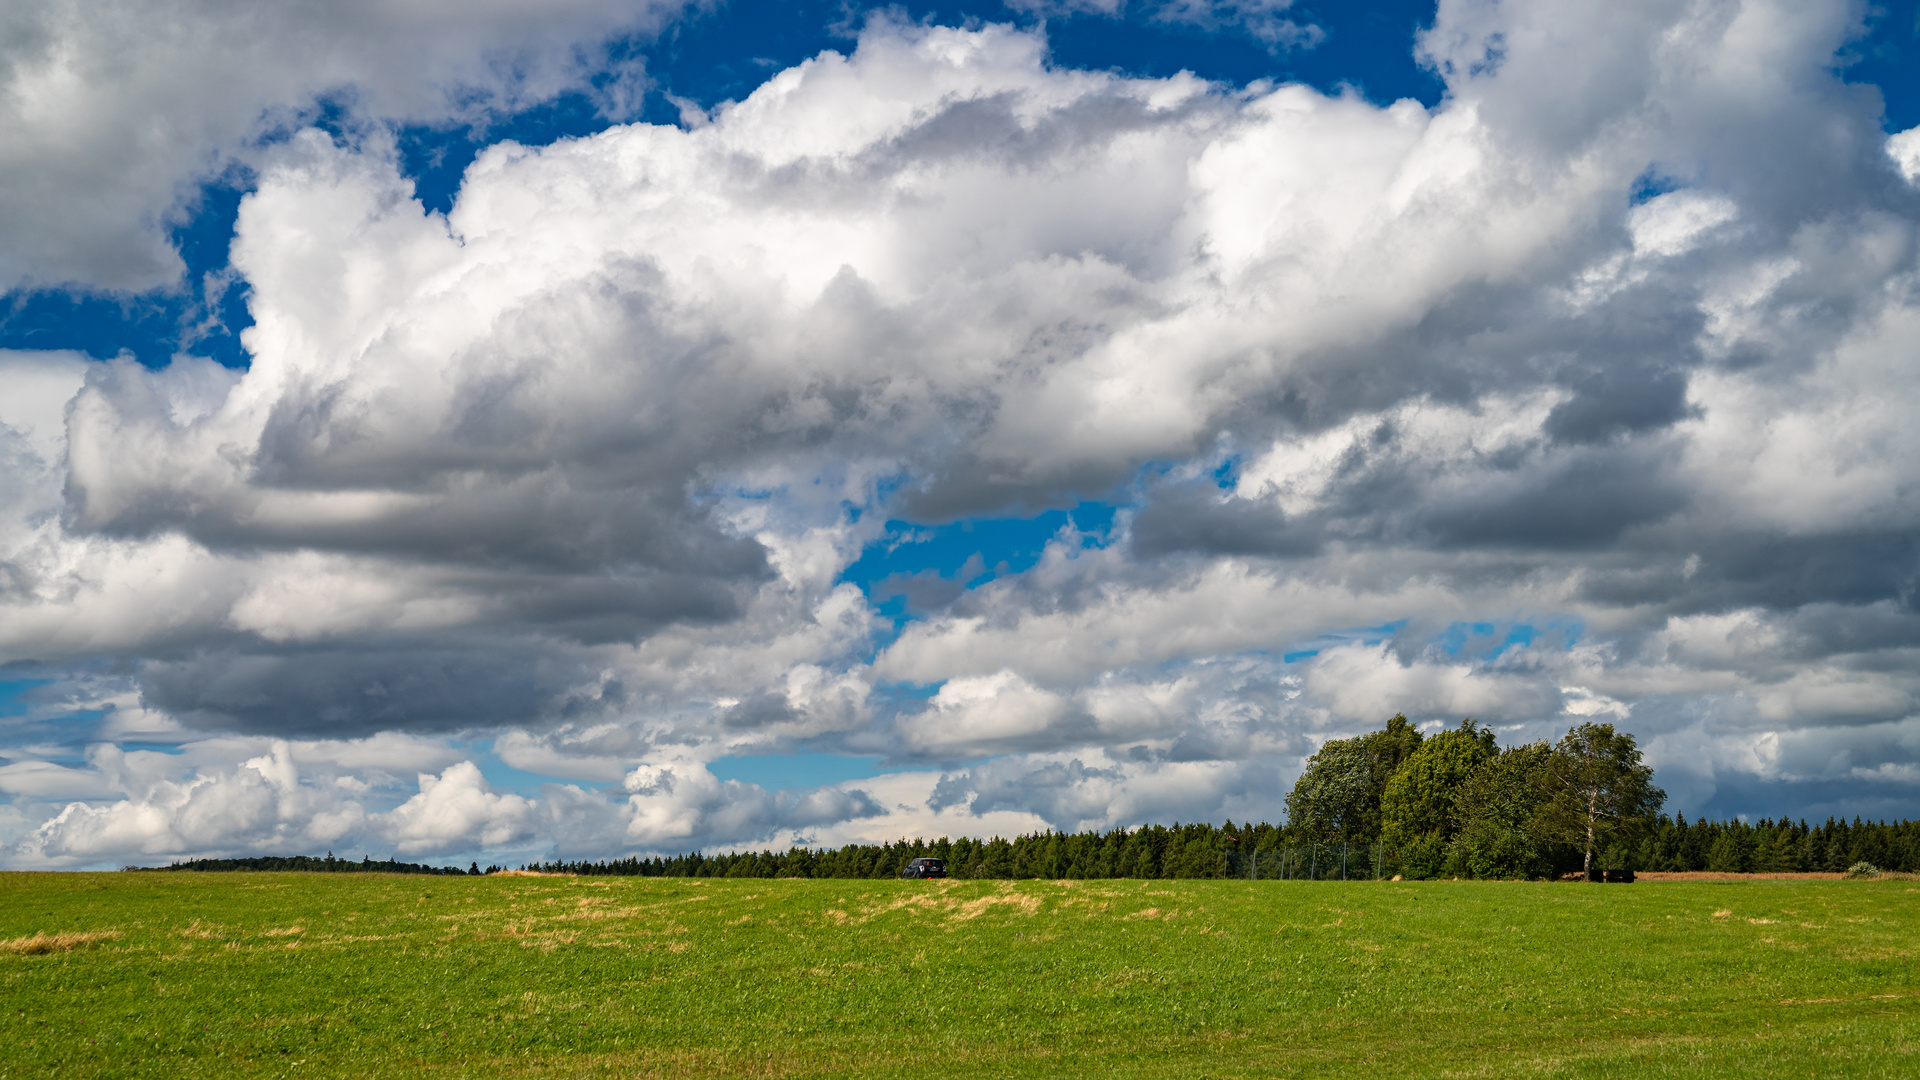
(1583, 393)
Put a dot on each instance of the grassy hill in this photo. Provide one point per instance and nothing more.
(378, 975)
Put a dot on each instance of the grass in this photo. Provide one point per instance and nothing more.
(385, 975)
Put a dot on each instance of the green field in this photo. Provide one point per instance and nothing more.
(152, 974)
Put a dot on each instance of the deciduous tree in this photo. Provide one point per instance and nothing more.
(1496, 808)
(1418, 815)
(1331, 800)
(1338, 797)
(1594, 788)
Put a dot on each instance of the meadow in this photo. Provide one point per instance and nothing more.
(149, 974)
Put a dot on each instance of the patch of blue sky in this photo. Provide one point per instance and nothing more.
(203, 315)
(14, 699)
(1482, 640)
(436, 158)
(170, 749)
(1366, 48)
(1226, 475)
(1651, 185)
(905, 693)
(57, 731)
(916, 568)
(780, 772)
(1332, 639)
(1490, 640)
(1888, 57)
(1358, 635)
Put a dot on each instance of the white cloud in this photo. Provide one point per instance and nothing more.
(215, 796)
(680, 805)
(1600, 708)
(259, 803)
(458, 810)
(45, 779)
(112, 113)
(985, 713)
(1361, 684)
(1673, 223)
(1072, 794)
(39, 385)
(1904, 149)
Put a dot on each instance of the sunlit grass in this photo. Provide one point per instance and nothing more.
(356, 975)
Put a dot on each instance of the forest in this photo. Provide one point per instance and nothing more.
(1202, 850)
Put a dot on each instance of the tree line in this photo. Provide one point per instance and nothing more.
(315, 864)
(1453, 804)
(1203, 851)
(1782, 846)
(1180, 851)
(1150, 851)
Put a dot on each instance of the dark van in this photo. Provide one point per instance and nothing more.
(925, 868)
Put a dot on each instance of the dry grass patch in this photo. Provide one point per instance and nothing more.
(973, 909)
(42, 943)
(597, 911)
(548, 942)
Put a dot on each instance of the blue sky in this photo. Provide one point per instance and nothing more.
(1111, 441)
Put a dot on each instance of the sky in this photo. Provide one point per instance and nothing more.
(510, 431)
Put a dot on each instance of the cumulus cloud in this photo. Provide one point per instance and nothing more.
(112, 115)
(981, 714)
(1582, 394)
(457, 809)
(1904, 148)
(259, 802)
(683, 805)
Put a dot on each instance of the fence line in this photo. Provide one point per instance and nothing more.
(1311, 862)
